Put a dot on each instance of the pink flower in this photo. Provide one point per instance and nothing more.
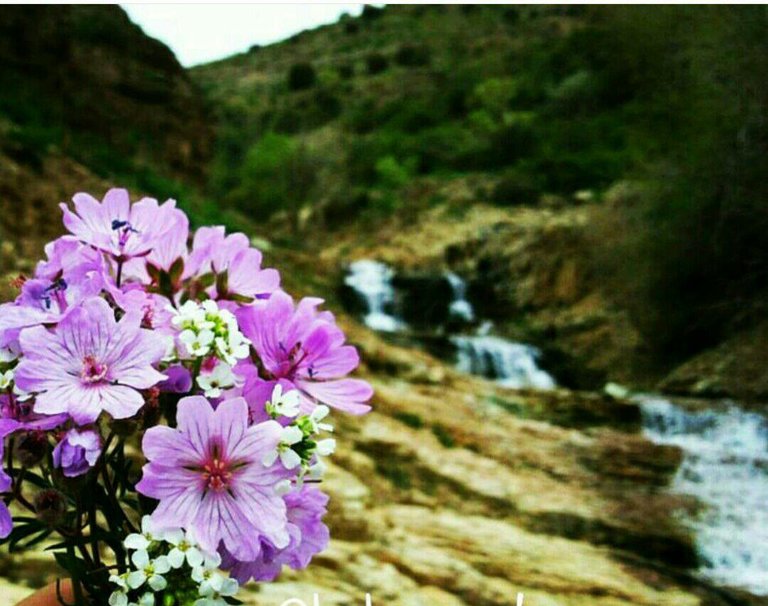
(302, 348)
(209, 477)
(309, 536)
(89, 363)
(236, 264)
(77, 452)
(118, 228)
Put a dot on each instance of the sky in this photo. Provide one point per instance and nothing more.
(199, 33)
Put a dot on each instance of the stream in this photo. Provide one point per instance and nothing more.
(479, 352)
(725, 449)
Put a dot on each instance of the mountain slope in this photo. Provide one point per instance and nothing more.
(87, 101)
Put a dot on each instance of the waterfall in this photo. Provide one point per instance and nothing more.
(459, 308)
(725, 466)
(511, 364)
(372, 280)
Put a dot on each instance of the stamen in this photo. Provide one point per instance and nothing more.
(93, 371)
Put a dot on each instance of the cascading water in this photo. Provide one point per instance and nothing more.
(459, 308)
(512, 364)
(372, 281)
(725, 466)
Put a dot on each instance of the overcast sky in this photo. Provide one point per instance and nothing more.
(199, 33)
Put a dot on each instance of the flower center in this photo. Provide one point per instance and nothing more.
(216, 474)
(123, 230)
(93, 371)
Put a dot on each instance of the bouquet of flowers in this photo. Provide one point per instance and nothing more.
(163, 417)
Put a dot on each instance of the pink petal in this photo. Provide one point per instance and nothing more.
(348, 395)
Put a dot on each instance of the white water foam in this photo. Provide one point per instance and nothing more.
(459, 308)
(372, 280)
(725, 466)
(512, 364)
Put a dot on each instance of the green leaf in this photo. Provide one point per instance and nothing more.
(176, 271)
(222, 283)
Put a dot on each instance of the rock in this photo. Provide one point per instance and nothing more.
(736, 369)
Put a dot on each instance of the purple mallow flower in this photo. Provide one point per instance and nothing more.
(212, 251)
(302, 348)
(62, 282)
(7, 426)
(118, 228)
(309, 536)
(77, 452)
(209, 477)
(179, 380)
(89, 363)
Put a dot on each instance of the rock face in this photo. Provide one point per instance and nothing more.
(735, 369)
(528, 270)
(88, 71)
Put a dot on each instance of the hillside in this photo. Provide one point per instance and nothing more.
(651, 119)
(87, 100)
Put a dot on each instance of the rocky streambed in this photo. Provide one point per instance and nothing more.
(720, 476)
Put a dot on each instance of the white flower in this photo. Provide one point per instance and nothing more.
(288, 457)
(148, 571)
(209, 579)
(149, 533)
(118, 598)
(285, 404)
(317, 470)
(6, 378)
(211, 308)
(20, 394)
(7, 355)
(147, 599)
(220, 378)
(197, 344)
(189, 315)
(120, 580)
(317, 415)
(283, 487)
(325, 447)
(184, 548)
(214, 596)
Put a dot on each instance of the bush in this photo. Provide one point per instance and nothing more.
(301, 76)
(413, 55)
(351, 26)
(376, 63)
(277, 174)
(516, 188)
(345, 71)
(371, 13)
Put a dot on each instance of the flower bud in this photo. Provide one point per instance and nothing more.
(31, 448)
(50, 506)
(77, 452)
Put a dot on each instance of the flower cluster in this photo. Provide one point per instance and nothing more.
(135, 332)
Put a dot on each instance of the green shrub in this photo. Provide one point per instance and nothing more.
(277, 174)
(301, 76)
(413, 55)
(345, 71)
(376, 63)
(371, 13)
(516, 188)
